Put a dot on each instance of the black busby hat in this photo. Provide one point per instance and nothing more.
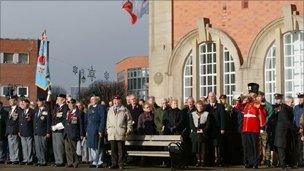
(253, 88)
(278, 96)
(301, 95)
(62, 96)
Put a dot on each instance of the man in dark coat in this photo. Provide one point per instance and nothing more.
(218, 111)
(284, 135)
(3, 117)
(72, 133)
(186, 114)
(173, 120)
(298, 113)
(96, 122)
(135, 111)
(12, 129)
(42, 131)
(58, 120)
(26, 131)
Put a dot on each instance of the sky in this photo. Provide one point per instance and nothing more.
(81, 33)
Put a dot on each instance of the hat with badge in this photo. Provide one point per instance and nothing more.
(15, 97)
(62, 96)
(278, 96)
(301, 95)
(223, 96)
(26, 100)
(73, 101)
(41, 99)
(117, 97)
(253, 88)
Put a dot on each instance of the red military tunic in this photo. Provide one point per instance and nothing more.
(254, 117)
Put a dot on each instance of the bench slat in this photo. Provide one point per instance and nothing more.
(148, 143)
(147, 153)
(154, 138)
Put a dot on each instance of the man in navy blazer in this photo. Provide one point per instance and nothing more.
(72, 133)
(42, 131)
(26, 131)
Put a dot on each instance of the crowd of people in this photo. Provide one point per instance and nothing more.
(213, 131)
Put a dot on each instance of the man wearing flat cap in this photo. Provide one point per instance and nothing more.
(12, 129)
(254, 118)
(26, 131)
(58, 118)
(119, 126)
(298, 117)
(42, 131)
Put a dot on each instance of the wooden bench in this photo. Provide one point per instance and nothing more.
(150, 144)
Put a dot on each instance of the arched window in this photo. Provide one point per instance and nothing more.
(270, 74)
(228, 74)
(188, 77)
(207, 56)
(206, 72)
(293, 63)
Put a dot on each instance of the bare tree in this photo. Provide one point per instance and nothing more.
(104, 89)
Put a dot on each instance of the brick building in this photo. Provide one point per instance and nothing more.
(18, 68)
(134, 73)
(201, 46)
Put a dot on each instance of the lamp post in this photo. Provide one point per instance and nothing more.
(81, 76)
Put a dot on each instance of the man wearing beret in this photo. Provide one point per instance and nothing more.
(42, 131)
(12, 129)
(72, 133)
(254, 118)
(58, 122)
(265, 133)
(26, 131)
(298, 113)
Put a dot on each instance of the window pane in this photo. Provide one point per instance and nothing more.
(8, 58)
(23, 58)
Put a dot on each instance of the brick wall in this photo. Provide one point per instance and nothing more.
(242, 24)
(20, 74)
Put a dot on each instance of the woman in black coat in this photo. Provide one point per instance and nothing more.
(200, 130)
(173, 120)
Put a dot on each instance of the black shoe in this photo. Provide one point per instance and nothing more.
(256, 167)
(22, 163)
(1, 162)
(92, 166)
(59, 165)
(248, 166)
(99, 166)
(29, 163)
(113, 167)
(15, 163)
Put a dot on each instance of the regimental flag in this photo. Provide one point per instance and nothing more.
(42, 70)
(136, 8)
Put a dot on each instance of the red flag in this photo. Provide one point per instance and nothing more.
(128, 6)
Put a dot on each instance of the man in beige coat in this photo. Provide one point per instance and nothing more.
(119, 126)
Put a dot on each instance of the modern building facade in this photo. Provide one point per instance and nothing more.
(18, 58)
(134, 73)
(200, 46)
